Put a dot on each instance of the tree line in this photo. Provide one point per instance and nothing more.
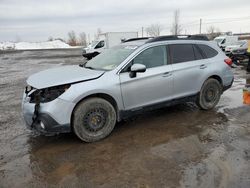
(77, 40)
(152, 30)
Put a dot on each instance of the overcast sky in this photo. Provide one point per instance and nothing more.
(35, 20)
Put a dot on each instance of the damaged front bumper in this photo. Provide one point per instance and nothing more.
(47, 118)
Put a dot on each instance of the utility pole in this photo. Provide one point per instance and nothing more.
(142, 31)
(200, 25)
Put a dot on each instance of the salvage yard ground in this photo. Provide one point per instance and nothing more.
(179, 146)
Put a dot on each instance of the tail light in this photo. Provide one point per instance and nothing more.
(228, 61)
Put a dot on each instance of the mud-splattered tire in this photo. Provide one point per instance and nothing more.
(93, 119)
(209, 95)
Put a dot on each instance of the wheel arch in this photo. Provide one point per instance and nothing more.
(104, 96)
(216, 77)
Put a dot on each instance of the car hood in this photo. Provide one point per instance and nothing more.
(62, 75)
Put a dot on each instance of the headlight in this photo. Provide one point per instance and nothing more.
(48, 94)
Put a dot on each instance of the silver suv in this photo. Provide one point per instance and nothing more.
(137, 75)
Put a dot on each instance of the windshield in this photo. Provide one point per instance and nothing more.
(219, 40)
(94, 43)
(110, 58)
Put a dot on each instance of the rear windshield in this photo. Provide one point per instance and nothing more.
(110, 58)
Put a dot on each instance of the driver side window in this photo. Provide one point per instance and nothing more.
(152, 57)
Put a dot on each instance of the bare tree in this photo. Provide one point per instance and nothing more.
(83, 39)
(176, 27)
(72, 38)
(213, 32)
(154, 30)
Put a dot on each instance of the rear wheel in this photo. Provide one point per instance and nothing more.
(94, 119)
(209, 95)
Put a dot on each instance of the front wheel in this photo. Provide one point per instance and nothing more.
(94, 119)
(209, 95)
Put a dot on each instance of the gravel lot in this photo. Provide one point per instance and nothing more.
(178, 146)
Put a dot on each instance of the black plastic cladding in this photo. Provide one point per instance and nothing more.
(135, 39)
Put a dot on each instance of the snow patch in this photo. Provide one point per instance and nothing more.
(33, 45)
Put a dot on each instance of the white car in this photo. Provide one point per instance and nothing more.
(224, 41)
(239, 48)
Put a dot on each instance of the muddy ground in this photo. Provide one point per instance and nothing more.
(179, 146)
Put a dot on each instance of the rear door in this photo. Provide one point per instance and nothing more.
(188, 68)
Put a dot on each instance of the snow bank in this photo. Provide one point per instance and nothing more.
(33, 45)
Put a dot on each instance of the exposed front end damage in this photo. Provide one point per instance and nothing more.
(45, 112)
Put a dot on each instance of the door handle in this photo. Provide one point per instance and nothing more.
(166, 74)
(203, 66)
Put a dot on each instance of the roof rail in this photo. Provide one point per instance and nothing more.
(178, 37)
(135, 39)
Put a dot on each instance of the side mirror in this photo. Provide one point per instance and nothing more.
(136, 68)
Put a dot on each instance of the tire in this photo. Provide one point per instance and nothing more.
(209, 95)
(93, 119)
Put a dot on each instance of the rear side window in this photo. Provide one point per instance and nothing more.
(207, 50)
(182, 53)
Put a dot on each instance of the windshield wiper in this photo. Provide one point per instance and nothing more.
(92, 68)
(81, 64)
(84, 65)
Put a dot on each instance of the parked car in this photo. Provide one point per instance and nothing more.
(239, 48)
(225, 40)
(106, 41)
(127, 79)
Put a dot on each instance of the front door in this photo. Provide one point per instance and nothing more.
(151, 87)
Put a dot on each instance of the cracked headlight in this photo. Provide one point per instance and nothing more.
(48, 94)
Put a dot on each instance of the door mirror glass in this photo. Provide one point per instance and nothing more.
(136, 68)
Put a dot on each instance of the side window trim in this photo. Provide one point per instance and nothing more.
(169, 56)
(201, 52)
